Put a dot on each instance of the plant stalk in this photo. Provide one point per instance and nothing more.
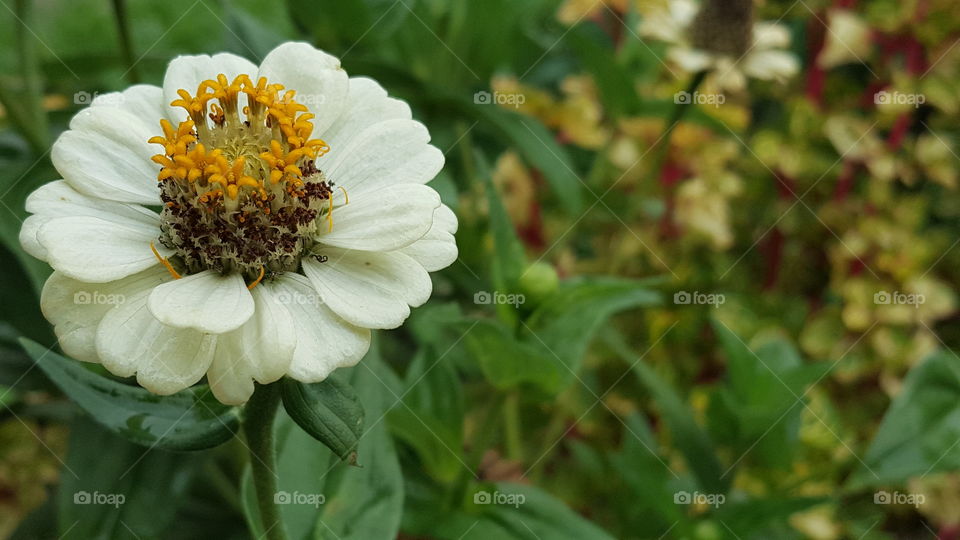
(260, 413)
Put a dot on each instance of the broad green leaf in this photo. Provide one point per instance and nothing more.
(112, 489)
(430, 418)
(507, 362)
(329, 411)
(763, 518)
(188, 420)
(918, 434)
(17, 369)
(509, 258)
(565, 323)
(366, 502)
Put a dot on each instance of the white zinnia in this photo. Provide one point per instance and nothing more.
(262, 235)
(765, 59)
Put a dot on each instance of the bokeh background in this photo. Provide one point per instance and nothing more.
(728, 319)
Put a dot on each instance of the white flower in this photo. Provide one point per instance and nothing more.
(261, 235)
(764, 59)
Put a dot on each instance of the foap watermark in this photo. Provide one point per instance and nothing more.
(697, 298)
(497, 297)
(898, 98)
(912, 499)
(305, 499)
(86, 98)
(290, 297)
(97, 298)
(514, 99)
(710, 499)
(698, 98)
(310, 100)
(897, 298)
(497, 497)
(110, 499)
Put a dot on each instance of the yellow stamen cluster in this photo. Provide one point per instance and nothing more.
(265, 147)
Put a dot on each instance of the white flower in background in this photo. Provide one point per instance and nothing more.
(242, 223)
(764, 58)
(847, 40)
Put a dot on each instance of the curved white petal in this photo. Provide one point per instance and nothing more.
(321, 84)
(166, 359)
(384, 220)
(324, 340)
(59, 199)
(438, 248)
(768, 35)
(206, 301)
(100, 249)
(188, 71)
(76, 308)
(261, 349)
(367, 104)
(143, 101)
(385, 154)
(105, 154)
(690, 60)
(369, 289)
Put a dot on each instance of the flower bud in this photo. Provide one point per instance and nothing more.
(538, 281)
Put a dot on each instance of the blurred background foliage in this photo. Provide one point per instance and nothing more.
(801, 399)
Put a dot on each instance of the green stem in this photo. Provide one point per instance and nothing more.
(31, 119)
(126, 44)
(676, 115)
(511, 425)
(258, 428)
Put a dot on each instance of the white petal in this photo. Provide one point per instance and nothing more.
(324, 340)
(188, 71)
(261, 349)
(76, 308)
(229, 374)
(438, 248)
(58, 199)
(105, 154)
(369, 289)
(770, 35)
(205, 301)
(100, 249)
(690, 60)
(321, 84)
(384, 220)
(771, 65)
(385, 154)
(166, 359)
(367, 104)
(143, 101)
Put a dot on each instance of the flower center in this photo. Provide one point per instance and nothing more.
(239, 182)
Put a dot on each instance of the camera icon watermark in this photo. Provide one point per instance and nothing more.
(897, 298)
(912, 499)
(87, 98)
(697, 298)
(697, 98)
(514, 99)
(708, 499)
(497, 497)
(884, 97)
(497, 297)
(97, 298)
(306, 499)
(110, 499)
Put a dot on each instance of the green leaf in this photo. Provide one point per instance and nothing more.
(919, 432)
(615, 83)
(367, 502)
(329, 411)
(692, 441)
(529, 512)
(509, 258)
(508, 363)
(113, 489)
(188, 420)
(430, 419)
(538, 147)
(565, 323)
